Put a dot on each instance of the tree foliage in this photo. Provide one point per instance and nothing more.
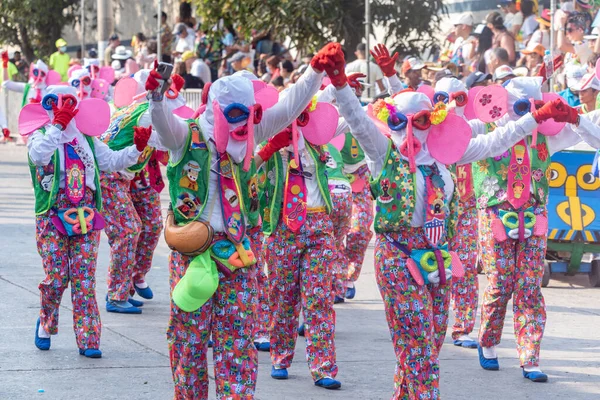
(410, 24)
(34, 25)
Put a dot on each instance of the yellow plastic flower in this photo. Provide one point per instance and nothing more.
(439, 113)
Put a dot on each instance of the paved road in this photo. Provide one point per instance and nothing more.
(136, 362)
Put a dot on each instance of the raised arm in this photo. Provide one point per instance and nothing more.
(372, 141)
(171, 129)
(285, 111)
(387, 64)
(14, 86)
(498, 141)
(587, 130)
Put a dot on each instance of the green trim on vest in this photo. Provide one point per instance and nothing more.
(336, 173)
(119, 134)
(45, 199)
(25, 93)
(490, 176)
(352, 153)
(274, 186)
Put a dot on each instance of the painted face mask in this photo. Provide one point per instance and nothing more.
(40, 76)
(422, 134)
(82, 82)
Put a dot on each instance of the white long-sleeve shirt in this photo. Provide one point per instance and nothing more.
(173, 133)
(375, 146)
(42, 147)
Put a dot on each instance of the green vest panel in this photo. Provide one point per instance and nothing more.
(394, 191)
(274, 183)
(119, 134)
(46, 180)
(352, 153)
(490, 176)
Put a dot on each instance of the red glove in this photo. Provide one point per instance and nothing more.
(567, 114)
(277, 142)
(141, 136)
(555, 109)
(353, 80)
(6, 133)
(178, 82)
(152, 83)
(331, 60)
(64, 115)
(383, 59)
(5, 59)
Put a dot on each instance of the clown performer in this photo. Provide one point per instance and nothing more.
(87, 86)
(214, 291)
(512, 192)
(131, 198)
(416, 212)
(64, 161)
(356, 169)
(453, 92)
(39, 79)
(300, 245)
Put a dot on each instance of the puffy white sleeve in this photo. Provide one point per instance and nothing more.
(342, 127)
(42, 146)
(327, 95)
(498, 141)
(588, 130)
(113, 161)
(14, 86)
(394, 84)
(372, 141)
(285, 111)
(172, 130)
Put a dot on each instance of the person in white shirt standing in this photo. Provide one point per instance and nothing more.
(360, 65)
(514, 18)
(463, 46)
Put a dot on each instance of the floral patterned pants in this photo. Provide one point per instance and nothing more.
(147, 205)
(513, 270)
(465, 290)
(262, 312)
(69, 260)
(360, 233)
(417, 317)
(123, 226)
(300, 276)
(341, 216)
(228, 316)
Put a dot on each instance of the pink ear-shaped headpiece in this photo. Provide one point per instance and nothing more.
(92, 119)
(100, 88)
(470, 107)
(107, 73)
(491, 103)
(125, 91)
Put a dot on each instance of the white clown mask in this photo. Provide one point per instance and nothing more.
(453, 92)
(230, 115)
